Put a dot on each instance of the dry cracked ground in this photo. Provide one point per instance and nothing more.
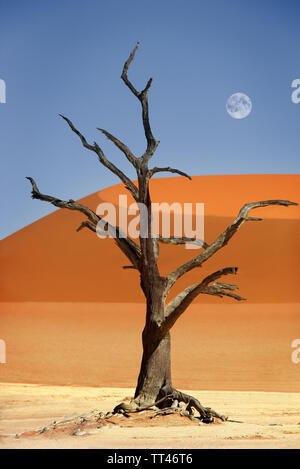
(39, 416)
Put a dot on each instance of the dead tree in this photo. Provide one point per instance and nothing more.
(154, 382)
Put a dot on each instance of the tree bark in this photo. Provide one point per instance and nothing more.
(154, 379)
(155, 370)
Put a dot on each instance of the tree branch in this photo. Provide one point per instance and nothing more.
(226, 286)
(87, 224)
(143, 98)
(129, 155)
(70, 204)
(103, 160)
(125, 70)
(223, 238)
(217, 291)
(180, 303)
(183, 240)
(168, 169)
(130, 249)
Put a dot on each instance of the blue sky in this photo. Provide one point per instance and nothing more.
(66, 56)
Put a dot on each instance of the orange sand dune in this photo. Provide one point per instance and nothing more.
(70, 314)
(49, 261)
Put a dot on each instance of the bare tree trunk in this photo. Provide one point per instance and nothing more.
(154, 380)
(155, 371)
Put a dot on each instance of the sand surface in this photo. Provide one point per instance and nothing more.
(270, 420)
(239, 347)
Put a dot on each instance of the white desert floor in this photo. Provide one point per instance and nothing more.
(269, 419)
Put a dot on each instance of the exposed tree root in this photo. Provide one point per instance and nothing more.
(171, 403)
(207, 414)
(175, 402)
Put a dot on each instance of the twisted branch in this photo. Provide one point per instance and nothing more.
(215, 290)
(129, 155)
(143, 98)
(183, 240)
(180, 303)
(223, 238)
(70, 204)
(130, 249)
(103, 160)
(167, 169)
(87, 224)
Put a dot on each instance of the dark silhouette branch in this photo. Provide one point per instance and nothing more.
(129, 247)
(125, 70)
(223, 238)
(181, 302)
(129, 155)
(69, 204)
(150, 277)
(168, 169)
(103, 160)
(143, 98)
(87, 224)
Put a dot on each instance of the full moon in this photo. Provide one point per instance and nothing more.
(239, 105)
